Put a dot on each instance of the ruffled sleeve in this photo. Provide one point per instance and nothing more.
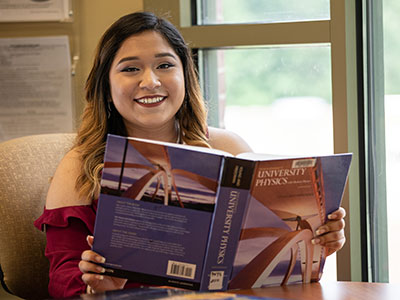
(66, 231)
(60, 217)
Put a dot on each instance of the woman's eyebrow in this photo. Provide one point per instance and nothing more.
(158, 55)
(164, 54)
(127, 59)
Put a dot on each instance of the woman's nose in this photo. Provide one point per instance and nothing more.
(149, 80)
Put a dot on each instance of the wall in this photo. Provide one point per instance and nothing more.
(91, 18)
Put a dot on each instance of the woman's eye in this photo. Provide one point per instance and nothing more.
(130, 69)
(165, 66)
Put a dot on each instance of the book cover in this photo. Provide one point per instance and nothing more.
(289, 199)
(156, 212)
(200, 219)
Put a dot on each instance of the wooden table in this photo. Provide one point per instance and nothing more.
(329, 291)
(312, 291)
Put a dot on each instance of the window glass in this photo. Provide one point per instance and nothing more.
(261, 11)
(278, 99)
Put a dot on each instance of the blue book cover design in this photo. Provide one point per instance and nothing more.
(156, 207)
(164, 211)
(289, 200)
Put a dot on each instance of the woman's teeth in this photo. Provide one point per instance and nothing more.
(150, 100)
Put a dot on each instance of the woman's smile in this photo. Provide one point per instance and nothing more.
(150, 101)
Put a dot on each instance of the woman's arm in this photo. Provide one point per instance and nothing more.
(65, 244)
(62, 191)
(69, 252)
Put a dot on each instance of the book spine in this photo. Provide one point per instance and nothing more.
(226, 225)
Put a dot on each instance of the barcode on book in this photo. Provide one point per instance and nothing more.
(304, 163)
(180, 269)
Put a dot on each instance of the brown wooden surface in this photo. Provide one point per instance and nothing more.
(313, 291)
(329, 291)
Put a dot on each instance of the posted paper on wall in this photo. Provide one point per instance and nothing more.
(35, 10)
(35, 86)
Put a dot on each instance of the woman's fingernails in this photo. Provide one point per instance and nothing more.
(332, 216)
(315, 241)
(320, 231)
(100, 277)
(101, 270)
(100, 259)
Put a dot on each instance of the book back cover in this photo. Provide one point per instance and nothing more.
(155, 211)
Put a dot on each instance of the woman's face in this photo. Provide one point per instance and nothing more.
(147, 82)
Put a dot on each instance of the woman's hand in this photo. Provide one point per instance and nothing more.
(331, 234)
(93, 275)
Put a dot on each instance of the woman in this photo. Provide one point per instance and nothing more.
(142, 84)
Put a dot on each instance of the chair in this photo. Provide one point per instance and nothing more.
(26, 166)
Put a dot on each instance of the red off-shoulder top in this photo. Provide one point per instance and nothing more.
(66, 231)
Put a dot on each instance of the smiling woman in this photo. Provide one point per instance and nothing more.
(142, 84)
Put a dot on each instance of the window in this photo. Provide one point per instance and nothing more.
(391, 46)
(381, 112)
(256, 11)
(252, 97)
(279, 98)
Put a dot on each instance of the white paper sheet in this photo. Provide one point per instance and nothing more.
(35, 86)
(35, 10)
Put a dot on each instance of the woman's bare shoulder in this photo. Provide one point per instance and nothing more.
(62, 191)
(228, 141)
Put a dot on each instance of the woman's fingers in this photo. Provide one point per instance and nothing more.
(90, 255)
(335, 244)
(94, 274)
(90, 240)
(89, 267)
(338, 214)
(88, 262)
(330, 239)
(331, 226)
(92, 280)
(331, 234)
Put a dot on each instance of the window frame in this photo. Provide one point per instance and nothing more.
(373, 104)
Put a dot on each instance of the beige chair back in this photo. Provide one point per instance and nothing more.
(26, 167)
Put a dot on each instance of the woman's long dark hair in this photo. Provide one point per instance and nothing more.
(100, 116)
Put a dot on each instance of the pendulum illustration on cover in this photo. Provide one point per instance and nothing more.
(159, 174)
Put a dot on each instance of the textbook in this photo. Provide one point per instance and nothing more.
(201, 219)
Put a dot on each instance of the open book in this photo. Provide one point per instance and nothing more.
(202, 219)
